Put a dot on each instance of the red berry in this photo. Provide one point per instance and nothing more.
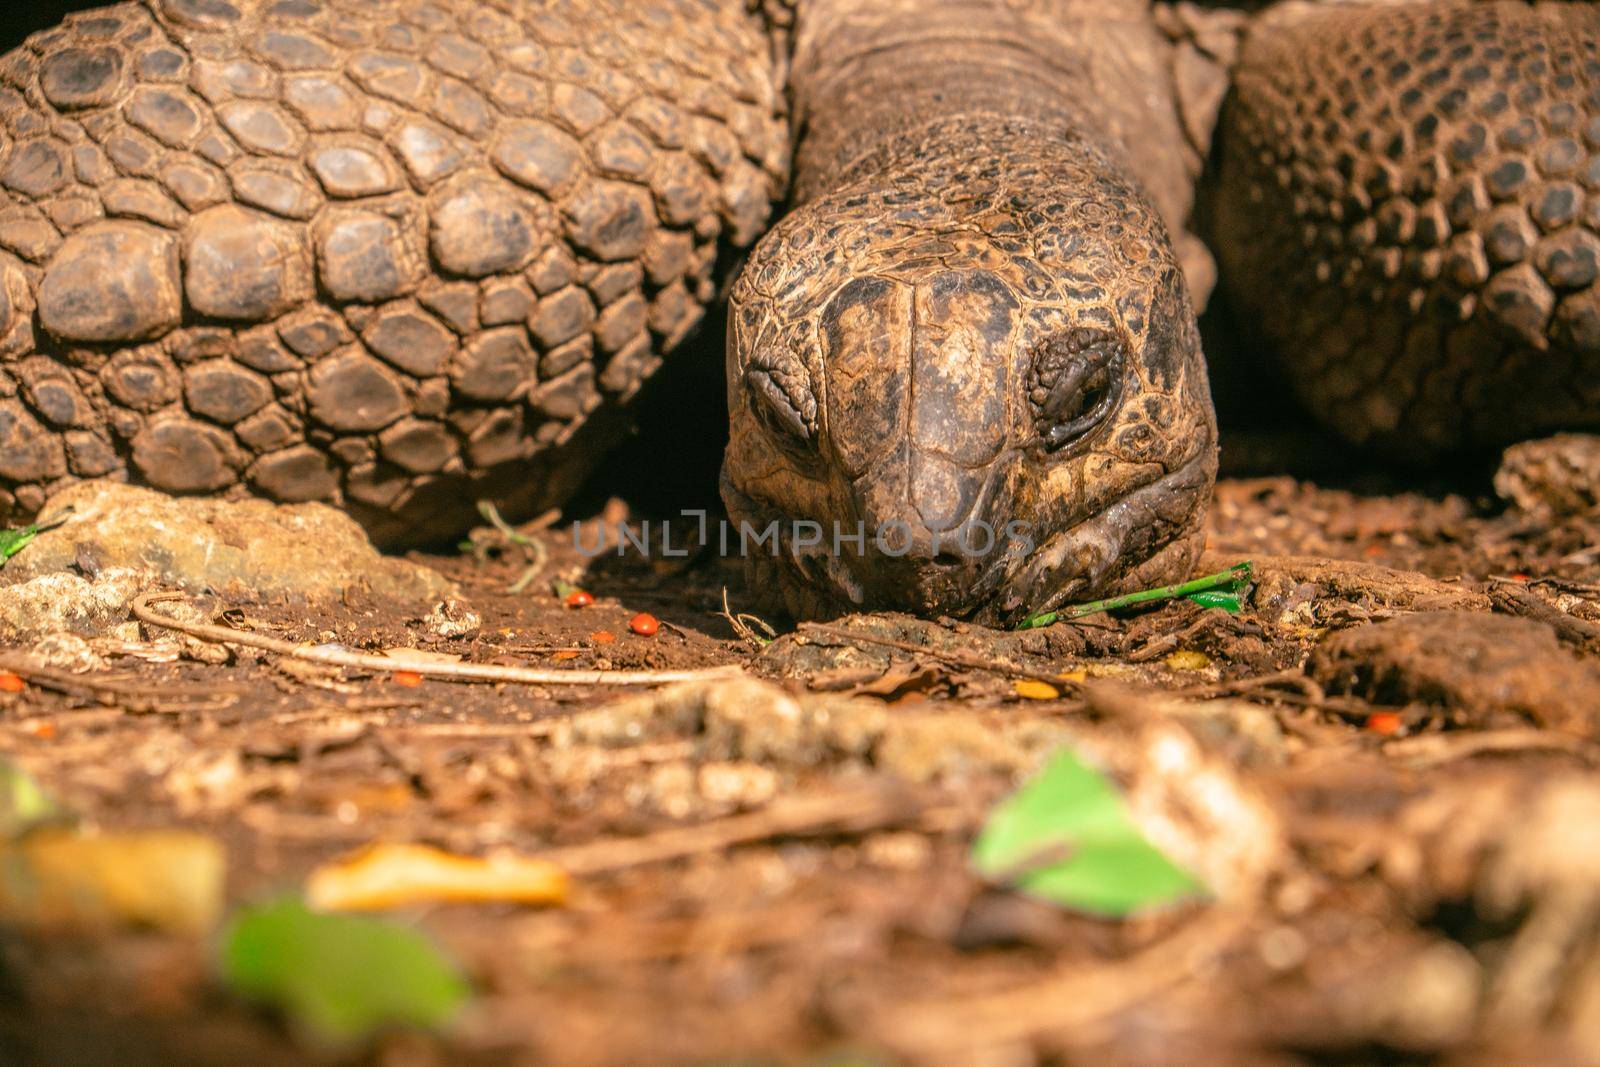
(579, 598)
(407, 678)
(1386, 723)
(644, 624)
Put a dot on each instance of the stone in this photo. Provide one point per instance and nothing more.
(145, 539)
(1484, 669)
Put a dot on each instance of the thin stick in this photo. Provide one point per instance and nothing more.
(471, 672)
(122, 688)
(957, 659)
(1069, 999)
(849, 811)
(1238, 574)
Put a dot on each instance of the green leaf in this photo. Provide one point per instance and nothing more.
(1066, 836)
(1217, 598)
(341, 978)
(24, 804)
(14, 541)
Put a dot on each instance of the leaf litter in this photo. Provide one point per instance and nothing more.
(735, 846)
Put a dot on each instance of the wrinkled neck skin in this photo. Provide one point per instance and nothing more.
(970, 338)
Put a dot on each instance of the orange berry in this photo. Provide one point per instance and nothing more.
(579, 598)
(44, 731)
(602, 637)
(408, 678)
(644, 624)
(565, 653)
(11, 683)
(1386, 723)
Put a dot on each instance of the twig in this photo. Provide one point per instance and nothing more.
(1513, 599)
(958, 659)
(1236, 575)
(138, 698)
(1430, 750)
(538, 554)
(850, 811)
(471, 672)
(743, 628)
(1073, 998)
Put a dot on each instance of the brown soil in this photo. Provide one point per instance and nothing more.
(1383, 930)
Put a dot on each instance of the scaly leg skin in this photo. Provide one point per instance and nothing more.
(973, 335)
(394, 256)
(1408, 205)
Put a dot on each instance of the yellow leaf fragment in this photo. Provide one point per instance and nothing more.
(1033, 689)
(1188, 660)
(394, 876)
(1079, 674)
(66, 880)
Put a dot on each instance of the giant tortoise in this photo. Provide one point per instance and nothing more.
(403, 256)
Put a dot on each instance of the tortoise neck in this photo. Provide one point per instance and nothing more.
(869, 74)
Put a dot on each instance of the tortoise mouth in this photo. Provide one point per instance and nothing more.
(996, 588)
(1088, 558)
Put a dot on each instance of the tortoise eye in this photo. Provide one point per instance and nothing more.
(789, 420)
(1075, 384)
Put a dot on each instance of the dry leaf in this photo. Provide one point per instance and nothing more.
(420, 655)
(903, 678)
(393, 876)
(1188, 660)
(64, 880)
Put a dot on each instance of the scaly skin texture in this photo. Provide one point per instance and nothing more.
(974, 318)
(394, 256)
(1409, 209)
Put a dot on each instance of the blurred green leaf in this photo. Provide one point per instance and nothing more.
(1066, 836)
(340, 978)
(24, 803)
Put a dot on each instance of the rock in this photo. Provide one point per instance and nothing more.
(1552, 477)
(141, 539)
(1481, 667)
(64, 651)
(1283, 582)
(53, 603)
(452, 618)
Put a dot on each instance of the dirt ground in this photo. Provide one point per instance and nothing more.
(1401, 718)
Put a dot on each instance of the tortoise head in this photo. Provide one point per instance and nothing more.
(976, 401)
